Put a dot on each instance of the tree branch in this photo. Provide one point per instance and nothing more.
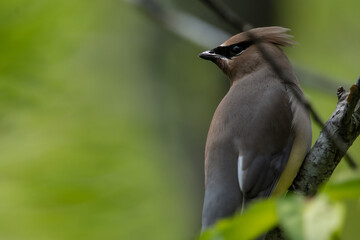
(324, 156)
(228, 15)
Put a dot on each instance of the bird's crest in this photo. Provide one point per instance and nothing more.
(275, 35)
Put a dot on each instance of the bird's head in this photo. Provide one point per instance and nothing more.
(239, 55)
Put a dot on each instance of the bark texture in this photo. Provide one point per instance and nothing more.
(340, 130)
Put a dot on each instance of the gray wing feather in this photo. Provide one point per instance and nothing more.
(259, 179)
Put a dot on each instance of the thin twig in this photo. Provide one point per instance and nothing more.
(226, 13)
(229, 16)
(187, 26)
(182, 24)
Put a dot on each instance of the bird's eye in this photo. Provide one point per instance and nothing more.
(235, 50)
(232, 50)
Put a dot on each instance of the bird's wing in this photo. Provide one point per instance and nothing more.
(259, 173)
(265, 143)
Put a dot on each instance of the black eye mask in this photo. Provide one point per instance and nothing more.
(232, 50)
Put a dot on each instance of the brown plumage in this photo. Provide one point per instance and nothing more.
(275, 35)
(259, 135)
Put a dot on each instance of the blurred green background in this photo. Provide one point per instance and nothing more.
(104, 112)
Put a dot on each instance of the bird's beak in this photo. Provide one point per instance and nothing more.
(209, 55)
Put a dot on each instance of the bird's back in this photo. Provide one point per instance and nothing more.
(250, 140)
(260, 133)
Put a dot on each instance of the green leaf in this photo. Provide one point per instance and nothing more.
(348, 189)
(313, 219)
(290, 214)
(322, 219)
(257, 219)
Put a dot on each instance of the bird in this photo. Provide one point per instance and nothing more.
(260, 132)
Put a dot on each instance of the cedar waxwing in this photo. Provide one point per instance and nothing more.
(259, 134)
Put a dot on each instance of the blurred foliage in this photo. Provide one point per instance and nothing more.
(318, 218)
(329, 34)
(103, 119)
(82, 156)
(262, 215)
(344, 189)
